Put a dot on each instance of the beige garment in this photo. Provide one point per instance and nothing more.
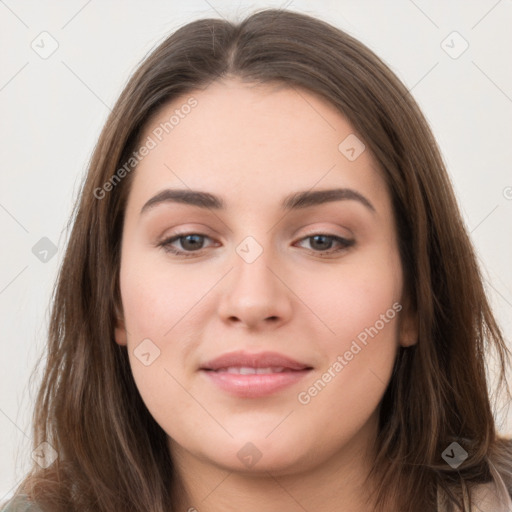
(489, 497)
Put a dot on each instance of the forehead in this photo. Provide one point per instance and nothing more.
(246, 142)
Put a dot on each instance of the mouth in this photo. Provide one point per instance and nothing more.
(247, 375)
(249, 370)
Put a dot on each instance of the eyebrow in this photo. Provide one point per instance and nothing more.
(295, 201)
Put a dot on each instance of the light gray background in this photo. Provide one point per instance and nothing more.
(52, 111)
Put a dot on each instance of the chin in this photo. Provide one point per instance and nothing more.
(260, 456)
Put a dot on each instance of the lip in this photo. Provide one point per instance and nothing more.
(254, 385)
(254, 360)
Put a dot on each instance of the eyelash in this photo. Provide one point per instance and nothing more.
(167, 247)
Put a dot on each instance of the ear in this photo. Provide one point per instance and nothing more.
(408, 331)
(120, 328)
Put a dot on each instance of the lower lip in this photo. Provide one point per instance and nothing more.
(255, 385)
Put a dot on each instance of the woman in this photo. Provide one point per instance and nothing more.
(269, 300)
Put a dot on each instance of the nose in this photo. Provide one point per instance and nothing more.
(254, 295)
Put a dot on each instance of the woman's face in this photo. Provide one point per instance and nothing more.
(305, 294)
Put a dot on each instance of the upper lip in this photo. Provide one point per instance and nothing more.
(255, 360)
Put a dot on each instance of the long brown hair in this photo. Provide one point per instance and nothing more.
(112, 455)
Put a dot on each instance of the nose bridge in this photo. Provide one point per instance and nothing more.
(253, 264)
(253, 292)
(253, 281)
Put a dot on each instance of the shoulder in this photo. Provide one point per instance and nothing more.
(492, 497)
(489, 497)
(20, 503)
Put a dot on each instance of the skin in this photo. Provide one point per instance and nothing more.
(253, 145)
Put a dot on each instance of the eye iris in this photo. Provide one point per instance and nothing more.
(195, 241)
(323, 238)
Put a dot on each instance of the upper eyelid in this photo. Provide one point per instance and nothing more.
(316, 232)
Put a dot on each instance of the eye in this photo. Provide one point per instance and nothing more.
(322, 243)
(192, 244)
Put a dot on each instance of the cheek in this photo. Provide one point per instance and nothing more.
(361, 308)
(157, 305)
(162, 307)
(358, 361)
(156, 298)
(358, 297)
(160, 300)
(360, 350)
